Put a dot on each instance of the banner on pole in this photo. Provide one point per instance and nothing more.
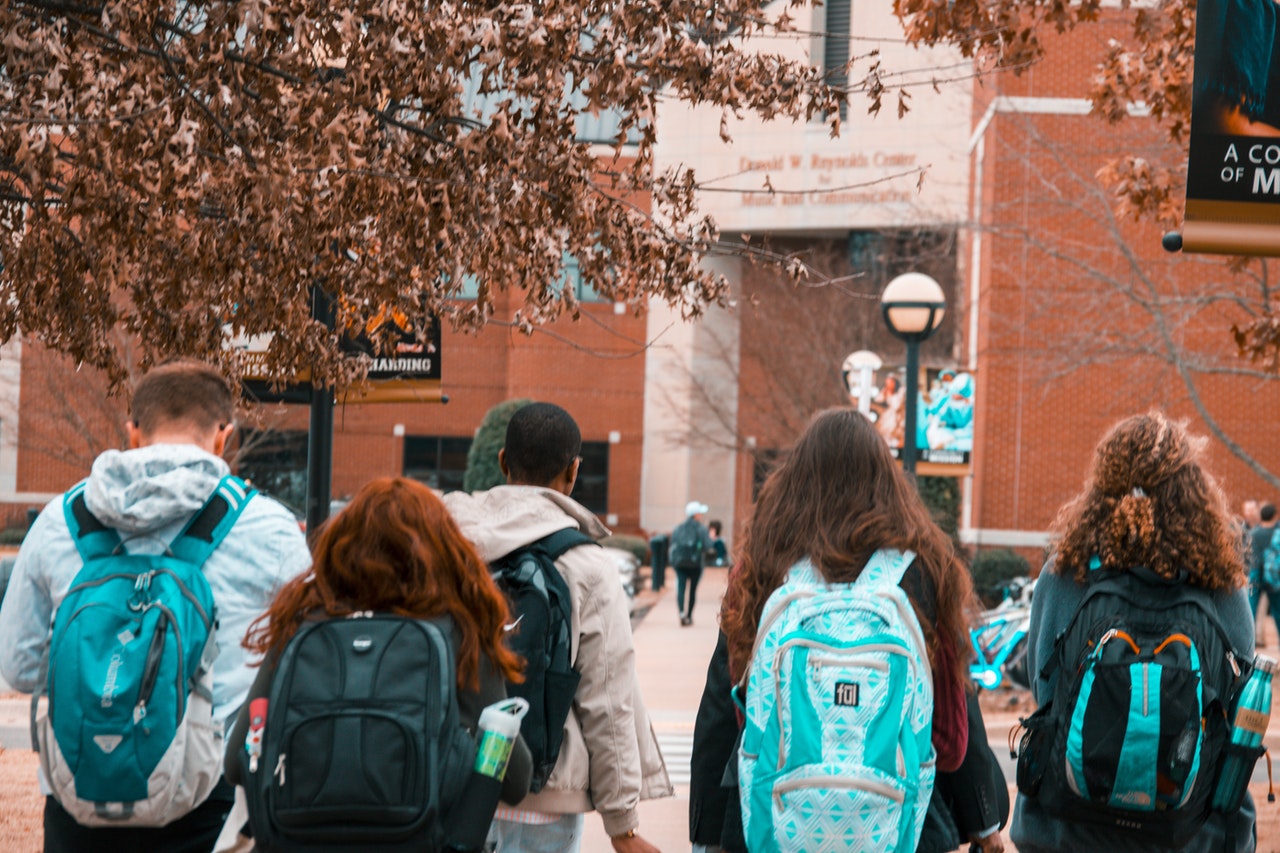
(1233, 172)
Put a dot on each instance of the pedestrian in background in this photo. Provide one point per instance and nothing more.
(1259, 540)
(688, 554)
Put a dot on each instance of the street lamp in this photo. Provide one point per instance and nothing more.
(913, 305)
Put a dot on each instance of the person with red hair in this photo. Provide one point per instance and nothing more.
(395, 549)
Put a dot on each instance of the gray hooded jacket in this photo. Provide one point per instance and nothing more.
(148, 495)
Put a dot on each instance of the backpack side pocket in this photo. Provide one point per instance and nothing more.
(1032, 752)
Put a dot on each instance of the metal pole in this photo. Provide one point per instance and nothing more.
(909, 424)
(320, 437)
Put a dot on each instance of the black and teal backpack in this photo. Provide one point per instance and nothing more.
(1135, 734)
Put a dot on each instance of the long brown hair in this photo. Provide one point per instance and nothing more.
(1149, 502)
(837, 498)
(396, 549)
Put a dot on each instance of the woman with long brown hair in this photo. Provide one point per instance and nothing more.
(1153, 519)
(836, 501)
(395, 549)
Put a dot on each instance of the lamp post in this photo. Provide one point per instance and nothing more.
(913, 306)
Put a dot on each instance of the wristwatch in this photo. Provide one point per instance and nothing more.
(630, 833)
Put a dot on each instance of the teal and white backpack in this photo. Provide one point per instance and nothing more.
(128, 737)
(837, 752)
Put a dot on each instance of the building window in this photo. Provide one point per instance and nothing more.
(275, 462)
(592, 488)
(835, 49)
(439, 462)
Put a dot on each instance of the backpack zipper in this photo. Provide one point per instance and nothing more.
(873, 786)
(279, 771)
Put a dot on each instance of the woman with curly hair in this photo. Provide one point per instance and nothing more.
(837, 499)
(395, 549)
(1150, 508)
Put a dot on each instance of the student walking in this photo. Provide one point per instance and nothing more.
(393, 551)
(690, 542)
(849, 595)
(166, 513)
(609, 759)
(1141, 606)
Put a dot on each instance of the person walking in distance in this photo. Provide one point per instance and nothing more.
(140, 502)
(689, 543)
(609, 759)
(1260, 536)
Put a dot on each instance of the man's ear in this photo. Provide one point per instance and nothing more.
(221, 437)
(572, 473)
(134, 435)
(502, 463)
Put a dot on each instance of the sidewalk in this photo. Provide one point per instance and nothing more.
(672, 664)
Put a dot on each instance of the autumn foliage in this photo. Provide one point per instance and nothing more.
(171, 169)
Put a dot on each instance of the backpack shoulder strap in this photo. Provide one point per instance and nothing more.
(92, 538)
(886, 567)
(555, 545)
(208, 527)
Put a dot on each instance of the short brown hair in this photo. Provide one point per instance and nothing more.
(182, 392)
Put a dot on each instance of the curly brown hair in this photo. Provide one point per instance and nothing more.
(1149, 502)
(837, 498)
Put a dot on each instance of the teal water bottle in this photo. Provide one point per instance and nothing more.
(1248, 725)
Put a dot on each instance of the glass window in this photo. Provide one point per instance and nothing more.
(275, 462)
(592, 488)
(439, 462)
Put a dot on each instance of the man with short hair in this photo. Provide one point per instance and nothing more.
(181, 415)
(1259, 539)
(609, 759)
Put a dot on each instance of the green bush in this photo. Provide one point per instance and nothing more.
(482, 459)
(12, 535)
(942, 496)
(635, 544)
(994, 568)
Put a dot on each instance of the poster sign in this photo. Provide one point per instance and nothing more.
(410, 373)
(944, 419)
(1233, 174)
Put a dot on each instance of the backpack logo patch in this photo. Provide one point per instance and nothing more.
(107, 743)
(846, 694)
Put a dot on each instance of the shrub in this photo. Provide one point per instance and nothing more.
(635, 544)
(482, 459)
(942, 496)
(12, 535)
(994, 568)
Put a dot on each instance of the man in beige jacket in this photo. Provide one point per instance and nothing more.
(610, 758)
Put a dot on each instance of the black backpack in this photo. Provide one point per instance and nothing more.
(687, 545)
(362, 748)
(541, 611)
(1136, 731)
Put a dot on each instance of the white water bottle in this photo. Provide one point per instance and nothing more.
(499, 726)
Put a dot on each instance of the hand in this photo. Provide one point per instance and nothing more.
(634, 844)
(993, 843)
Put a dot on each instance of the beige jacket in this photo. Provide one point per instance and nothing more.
(610, 759)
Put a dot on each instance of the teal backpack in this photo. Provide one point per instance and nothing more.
(1271, 562)
(837, 749)
(128, 737)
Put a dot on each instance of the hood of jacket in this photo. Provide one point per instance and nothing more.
(142, 490)
(505, 518)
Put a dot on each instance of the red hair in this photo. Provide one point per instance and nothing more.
(396, 549)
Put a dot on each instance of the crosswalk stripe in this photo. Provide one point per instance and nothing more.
(677, 748)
